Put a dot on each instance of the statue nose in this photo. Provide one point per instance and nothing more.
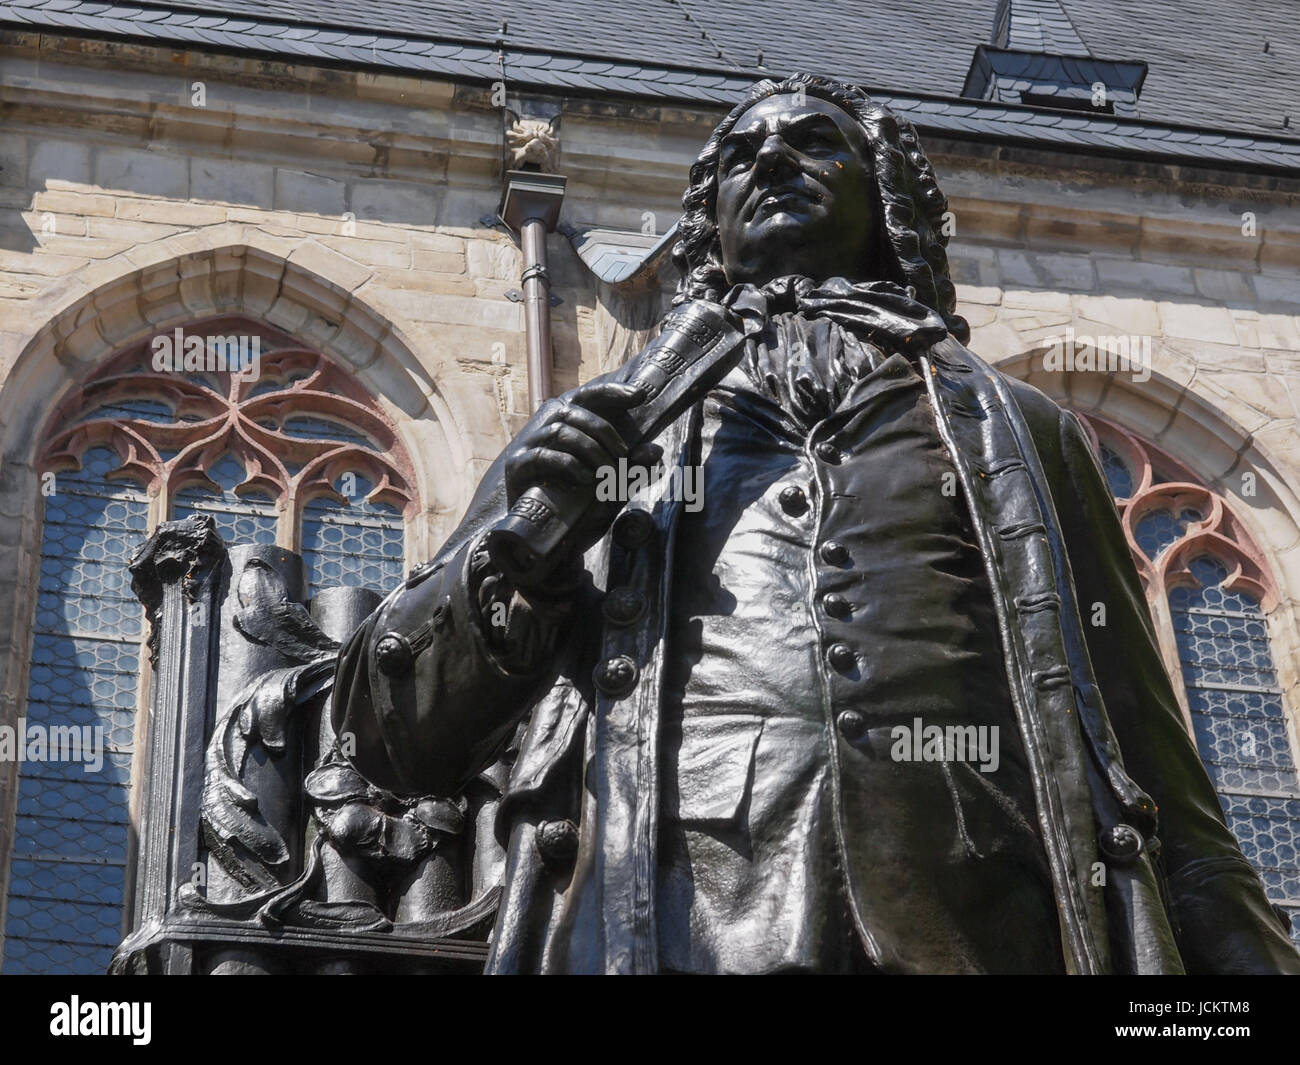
(773, 156)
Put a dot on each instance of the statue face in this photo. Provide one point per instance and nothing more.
(795, 194)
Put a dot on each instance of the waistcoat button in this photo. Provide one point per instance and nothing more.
(393, 654)
(841, 657)
(793, 500)
(836, 605)
(852, 725)
(557, 843)
(1121, 844)
(828, 452)
(632, 528)
(835, 553)
(622, 606)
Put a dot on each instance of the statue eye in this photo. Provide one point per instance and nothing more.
(735, 156)
(816, 140)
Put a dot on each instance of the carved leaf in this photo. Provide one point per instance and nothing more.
(246, 846)
(268, 617)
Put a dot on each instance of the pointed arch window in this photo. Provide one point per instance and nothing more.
(1211, 591)
(297, 454)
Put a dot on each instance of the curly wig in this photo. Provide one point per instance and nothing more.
(910, 202)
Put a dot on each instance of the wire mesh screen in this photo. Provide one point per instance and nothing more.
(70, 836)
(352, 543)
(246, 519)
(1240, 725)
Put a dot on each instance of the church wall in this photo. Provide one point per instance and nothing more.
(378, 185)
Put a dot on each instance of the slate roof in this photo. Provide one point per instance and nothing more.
(1037, 26)
(1207, 64)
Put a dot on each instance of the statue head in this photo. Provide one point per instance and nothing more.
(810, 176)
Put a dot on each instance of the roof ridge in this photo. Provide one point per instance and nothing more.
(580, 74)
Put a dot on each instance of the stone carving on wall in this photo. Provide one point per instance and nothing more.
(533, 143)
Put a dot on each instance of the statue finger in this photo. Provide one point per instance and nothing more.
(546, 465)
(574, 441)
(607, 397)
(597, 428)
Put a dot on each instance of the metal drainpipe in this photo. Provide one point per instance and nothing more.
(530, 206)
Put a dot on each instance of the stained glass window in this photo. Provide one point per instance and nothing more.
(349, 541)
(300, 456)
(247, 519)
(1118, 475)
(1160, 528)
(1189, 547)
(67, 870)
(1240, 725)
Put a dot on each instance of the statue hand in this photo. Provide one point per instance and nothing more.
(569, 440)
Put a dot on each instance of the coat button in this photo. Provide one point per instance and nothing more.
(622, 606)
(836, 605)
(393, 654)
(615, 676)
(841, 657)
(835, 553)
(828, 452)
(632, 528)
(793, 500)
(852, 725)
(557, 843)
(1121, 844)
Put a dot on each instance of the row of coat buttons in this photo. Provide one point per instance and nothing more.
(793, 499)
(622, 606)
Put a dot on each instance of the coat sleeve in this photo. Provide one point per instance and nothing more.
(1223, 921)
(433, 683)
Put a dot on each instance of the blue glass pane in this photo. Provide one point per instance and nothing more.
(1211, 595)
(1269, 833)
(353, 544)
(80, 922)
(150, 410)
(1240, 724)
(70, 832)
(1159, 529)
(1117, 473)
(246, 519)
(307, 428)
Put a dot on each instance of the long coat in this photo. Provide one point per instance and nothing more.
(1146, 876)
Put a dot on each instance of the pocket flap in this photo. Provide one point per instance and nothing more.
(715, 765)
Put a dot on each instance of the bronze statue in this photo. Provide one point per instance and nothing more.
(846, 716)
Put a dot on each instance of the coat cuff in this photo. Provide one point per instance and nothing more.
(433, 683)
(1225, 922)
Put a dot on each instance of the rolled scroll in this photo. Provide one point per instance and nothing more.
(699, 344)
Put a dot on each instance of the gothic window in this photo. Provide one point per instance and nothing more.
(297, 455)
(67, 865)
(1208, 585)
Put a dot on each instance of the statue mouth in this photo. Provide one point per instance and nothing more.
(785, 199)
